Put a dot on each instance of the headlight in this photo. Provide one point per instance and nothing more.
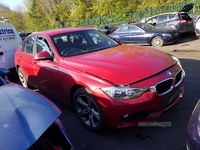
(166, 35)
(124, 92)
(177, 60)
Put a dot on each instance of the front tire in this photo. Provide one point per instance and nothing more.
(88, 110)
(157, 41)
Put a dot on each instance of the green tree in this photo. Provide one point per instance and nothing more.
(4, 11)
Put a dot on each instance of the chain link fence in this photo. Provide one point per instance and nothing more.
(135, 15)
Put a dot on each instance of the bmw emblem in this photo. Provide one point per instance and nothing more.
(169, 73)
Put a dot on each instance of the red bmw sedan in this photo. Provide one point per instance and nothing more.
(107, 83)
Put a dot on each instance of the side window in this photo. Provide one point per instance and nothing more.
(123, 29)
(133, 29)
(171, 16)
(28, 45)
(162, 18)
(152, 20)
(23, 47)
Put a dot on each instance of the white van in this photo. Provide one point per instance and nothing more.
(9, 42)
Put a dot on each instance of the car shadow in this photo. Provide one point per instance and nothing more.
(187, 37)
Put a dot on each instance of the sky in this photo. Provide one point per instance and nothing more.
(12, 3)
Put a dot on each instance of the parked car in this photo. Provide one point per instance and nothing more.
(178, 20)
(197, 26)
(145, 34)
(107, 83)
(108, 28)
(28, 120)
(193, 129)
(23, 35)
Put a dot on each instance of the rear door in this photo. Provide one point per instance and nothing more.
(136, 35)
(123, 35)
(27, 59)
(162, 20)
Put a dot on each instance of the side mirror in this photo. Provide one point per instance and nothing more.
(106, 27)
(43, 55)
(118, 41)
(1, 53)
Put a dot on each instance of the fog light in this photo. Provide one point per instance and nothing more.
(126, 116)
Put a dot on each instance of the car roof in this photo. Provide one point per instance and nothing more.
(64, 30)
(186, 8)
(168, 13)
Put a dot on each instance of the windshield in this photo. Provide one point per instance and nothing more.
(80, 42)
(146, 26)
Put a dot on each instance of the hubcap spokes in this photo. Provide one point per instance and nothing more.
(88, 111)
(21, 77)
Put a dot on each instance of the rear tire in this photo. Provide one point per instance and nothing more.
(22, 78)
(157, 41)
(88, 110)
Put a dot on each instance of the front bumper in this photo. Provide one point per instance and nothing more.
(146, 108)
(128, 113)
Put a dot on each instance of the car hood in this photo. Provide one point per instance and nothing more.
(25, 115)
(187, 7)
(123, 64)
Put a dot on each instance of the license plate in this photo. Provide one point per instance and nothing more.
(189, 22)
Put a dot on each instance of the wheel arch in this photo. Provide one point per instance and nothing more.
(158, 36)
(17, 67)
(74, 88)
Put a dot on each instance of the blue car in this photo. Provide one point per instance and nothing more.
(193, 129)
(28, 120)
(145, 34)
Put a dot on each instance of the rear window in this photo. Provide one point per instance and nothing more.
(162, 18)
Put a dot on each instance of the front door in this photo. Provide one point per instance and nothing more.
(46, 71)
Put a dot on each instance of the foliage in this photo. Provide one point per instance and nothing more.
(4, 11)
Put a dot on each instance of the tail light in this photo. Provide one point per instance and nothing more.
(181, 21)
